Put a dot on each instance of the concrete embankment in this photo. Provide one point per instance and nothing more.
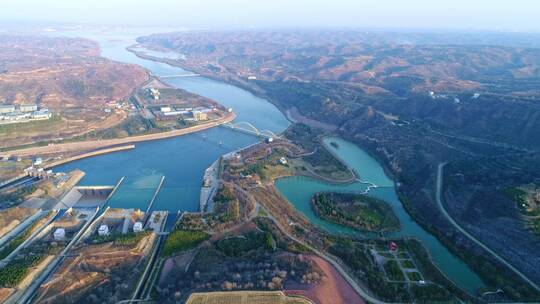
(90, 154)
(210, 184)
(97, 144)
(21, 227)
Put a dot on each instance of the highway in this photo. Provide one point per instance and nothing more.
(440, 169)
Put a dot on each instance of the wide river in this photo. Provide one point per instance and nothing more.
(182, 160)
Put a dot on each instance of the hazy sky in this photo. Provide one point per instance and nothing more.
(519, 15)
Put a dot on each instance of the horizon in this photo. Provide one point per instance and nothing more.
(417, 15)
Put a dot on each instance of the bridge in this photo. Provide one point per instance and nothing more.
(248, 128)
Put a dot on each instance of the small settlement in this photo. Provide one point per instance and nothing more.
(22, 113)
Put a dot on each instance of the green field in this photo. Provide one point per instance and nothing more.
(119, 239)
(31, 126)
(180, 240)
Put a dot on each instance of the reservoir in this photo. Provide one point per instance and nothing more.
(182, 160)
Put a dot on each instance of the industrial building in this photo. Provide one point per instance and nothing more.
(200, 115)
(4, 109)
(28, 108)
(197, 114)
(22, 113)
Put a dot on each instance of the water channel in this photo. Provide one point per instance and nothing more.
(182, 160)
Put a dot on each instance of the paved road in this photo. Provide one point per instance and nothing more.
(95, 144)
(440, 169)
(360, 290)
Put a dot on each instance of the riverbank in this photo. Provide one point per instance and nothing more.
(90, 154)
(96, 144)
(244, 85)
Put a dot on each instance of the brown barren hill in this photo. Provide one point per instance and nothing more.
(332, 289)
(67, 76)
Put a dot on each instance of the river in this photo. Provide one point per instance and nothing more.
(182, 160)
(299, 190)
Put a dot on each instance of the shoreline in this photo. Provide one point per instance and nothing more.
(89, 154)
(98, 144)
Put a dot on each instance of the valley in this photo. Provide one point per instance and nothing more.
(412, 106)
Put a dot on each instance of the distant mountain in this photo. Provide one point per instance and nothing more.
(413, 101)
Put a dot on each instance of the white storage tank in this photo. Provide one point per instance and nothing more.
(103, 230)
(137, 227)
(59, 234)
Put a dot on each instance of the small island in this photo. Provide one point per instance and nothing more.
(356, 211)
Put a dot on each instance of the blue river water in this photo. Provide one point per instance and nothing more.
(182, 160)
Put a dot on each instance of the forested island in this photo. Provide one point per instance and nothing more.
(357, 211)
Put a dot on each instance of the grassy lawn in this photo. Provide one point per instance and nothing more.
(180, 240)
(31, 126)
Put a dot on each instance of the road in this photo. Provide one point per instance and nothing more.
(440, 169)
(364, 294)
(95, 144)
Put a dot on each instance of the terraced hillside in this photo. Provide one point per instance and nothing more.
(67, 76)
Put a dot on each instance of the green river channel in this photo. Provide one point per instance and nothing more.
(299, 191)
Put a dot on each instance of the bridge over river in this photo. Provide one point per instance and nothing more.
(246, 127)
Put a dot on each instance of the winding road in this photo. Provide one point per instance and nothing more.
(360, 290)
(440, 169)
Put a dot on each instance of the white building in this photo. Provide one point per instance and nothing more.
(137, 227)
(165, 109)
(155, 93)
(28, 108)
(43, 114)
(59, 234)
(103, 230)
(199, 115)
(38, 161)
(4, 109)
(283, 161)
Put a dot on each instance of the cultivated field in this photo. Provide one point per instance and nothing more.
(245, 297)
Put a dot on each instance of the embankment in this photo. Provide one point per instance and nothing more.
(97, 144)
